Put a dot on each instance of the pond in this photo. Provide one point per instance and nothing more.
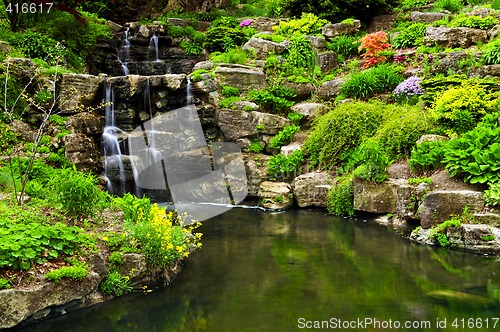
(262, 271)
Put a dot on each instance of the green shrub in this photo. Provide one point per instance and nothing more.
(229, 91)
(408, 4)
(382, 78)
(280, 166)
(191, 48)
(38, 45)
(234, 55)
(71, 272)
(473, 21)
(116, 284)
(438, 232)
(344, 45)
(341, 130)
(341, 197)
(427, 156)
(453, 6)
(476, 155)
(133, 207)
(418, 181)
(412, 35)
(256, 147)
(284, 137)
(4, 284)
(295, 117)
(196, 75)
(275, 98)
(224, 38)
(271, 37)
(369, 162)
(492, 195)
(490, 54)
(300, 56)
(307, 24)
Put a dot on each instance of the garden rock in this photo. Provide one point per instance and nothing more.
(426, 17)
(302, 90)
(264, 24)
(264, 47)
(82, 151)
(484, 71)
(237, 124)
(445, 62)
(311, 189)
(23, 130)
(5, 47)
(242, 77)
(490, 218)
(78, 91)
(327, 61)
(206, 85)
(310, 111)
(87, 123)
(494, 32)
(376, 197)
(330, 89)
(275, 195)
(206, 65)
(256, 173)
(439, 205)
(431, 138)
(454, 37)
(23, 69)
(337, 29)
(291, 148)
(317, 42)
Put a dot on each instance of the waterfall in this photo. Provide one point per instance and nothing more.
(124, 53)
(189, 95)
(154, 155)
(153, 43)
(110, 142)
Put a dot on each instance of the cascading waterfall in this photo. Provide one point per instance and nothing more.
(153, 153)
(153, 43)
(110, 142)
(124, 53)
(189, 95)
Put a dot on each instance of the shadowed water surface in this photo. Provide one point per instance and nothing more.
(261, 271)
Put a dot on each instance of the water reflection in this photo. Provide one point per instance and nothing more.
(261, 271)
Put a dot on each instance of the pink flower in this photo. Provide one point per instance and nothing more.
(246, 22)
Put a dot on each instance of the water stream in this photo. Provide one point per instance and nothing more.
(262, 271)
(153, 43)
(124, 52)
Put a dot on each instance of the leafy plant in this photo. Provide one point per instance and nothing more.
(284, 137)
(295, 117)
(307, 24)
(492, 195)
(453, 6)
(191, 48)
(490, 54)
(71, 272)
(487, 238)
(408, 4)
(115, 258)
(196, 75)
(275, 98)
(300, 56)
(228, 91)
(369, 162)
(256, 147)
(222, 38)
(344, 45)
(419, 180)
(438, 232)
(412, 35)
(341, 197)
(133, 207)
(373, 44)
(280, 166)
(427, 156)
(409, 90)
(116, 284)
(474, 21)
(233, 55)
(4, 283)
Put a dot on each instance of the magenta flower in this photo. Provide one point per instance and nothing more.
(246, 22)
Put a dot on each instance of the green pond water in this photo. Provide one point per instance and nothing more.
(262, 271)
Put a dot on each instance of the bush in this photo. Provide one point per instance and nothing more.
(280, 166)
(373, 44)
(408, 91)
(341, 197)
(116, 284)
(224, 38)
(275, 98)
(369, 162)
(228, 91)
(492, 195)
(284, 137)
(71, 272)
(491, 53)
(196, 75)
(234, 55)
(473, 21)
(256, 147)
(345, 45)
(453, 6)
(427, 156)
(307, 24)
(379, 79)
(300, 56)
(408, 4)
(412, 35)
(4, 283)
(37, 45)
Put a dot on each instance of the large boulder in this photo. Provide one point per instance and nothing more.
(264, 24)
(327, 61)
(454, 37)
(82, 151)
(445, 62)
(302, 90)
(242, 77)
(330, 89)
(256, 173)
(78, 92)
(426, 17)
(439, 205)
(310, 111)
(87, 123)
(237, 124)
(376, 197)
(484, 71)
(311, 189)
(275, 195)
(337, 29)
(265, 47)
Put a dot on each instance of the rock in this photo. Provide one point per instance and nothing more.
(265, 47)
(207, 65)
(78, 92)
(263, 24)
(327, 61)
(426, 17)
(302, 90)
(469, 235)
(337, 29)
(484, 71)
(291, 148)
(119, 168)
(310, 111)
(330, 89)
(256, 173)
(244, 105)
(23, 130)
(86, 123)
(275, 195)
(238, 124)
(5, 47)
(144, 31)
(492, 219)
(311, 189)
(82, 151)
(454, 296)
(376, 197)
(439, 205)
(431, 138)
(410, 199)
(24, 70)
(318, 43)
(382, 22)
(482, 12)
(178, 22)
(242, 77)
(134, 265)
(114, 27)
(206, 85)
(445, 62)
(454, 37)
(494, 32)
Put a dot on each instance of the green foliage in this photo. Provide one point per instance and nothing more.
(459, 109)
(191, 48)
(369, 162)
(229, 91)
(418, 181)
(116, 284)
(38, 45)
(7, 139)
(341, 197)
(24, 244)
(488, 238)
(71, 272)
(453, 6)
(295, 117)
(412, 35)
(4, 283)
(382, 78)
(344, 45)
(196, 75)
(275, 98)
(476, 155)
(228, 102)
(438, 232)
(300, 56)
(474, 21)
(492, 195)
(271, 37)
(280, 166)
(408, 4)
(341, 130)
(490, 54)
(284, 137)
(307, 24)
(133, 207)
(233, 55)
(427, 156)
(256, 147)
(223, 38)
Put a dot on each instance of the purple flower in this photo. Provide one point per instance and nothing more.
(409, 87)
(246, 22)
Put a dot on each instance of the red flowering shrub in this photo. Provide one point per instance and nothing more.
(373, 44)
